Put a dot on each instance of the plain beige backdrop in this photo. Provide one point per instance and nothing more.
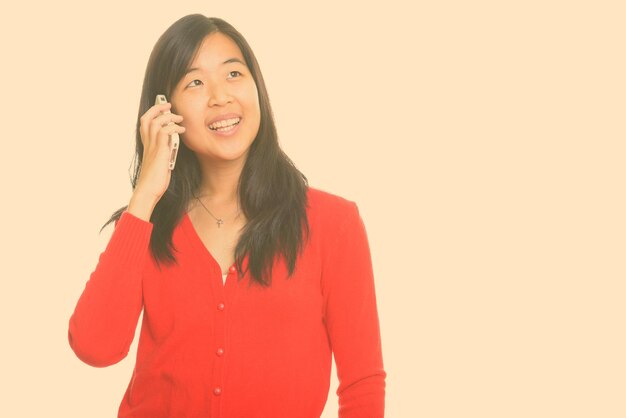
(483, 141)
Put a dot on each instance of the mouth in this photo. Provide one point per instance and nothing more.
(225, 126)
(229, 128)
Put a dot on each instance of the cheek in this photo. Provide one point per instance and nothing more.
(192, 115)
(192, 124)
(252, 101)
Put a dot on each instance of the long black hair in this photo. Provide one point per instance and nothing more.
(272, 191)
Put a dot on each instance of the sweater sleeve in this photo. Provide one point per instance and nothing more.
(102, 326)
(352, 319)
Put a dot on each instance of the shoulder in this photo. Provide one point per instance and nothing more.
(323, 200)
(329, 209)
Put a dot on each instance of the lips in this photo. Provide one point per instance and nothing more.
(228, 131)
(236, 122)
(223, 117)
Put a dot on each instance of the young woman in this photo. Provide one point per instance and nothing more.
(249, 279)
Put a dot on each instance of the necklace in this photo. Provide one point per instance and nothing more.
(220, 221)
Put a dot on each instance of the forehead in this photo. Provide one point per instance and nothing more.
(215, 49)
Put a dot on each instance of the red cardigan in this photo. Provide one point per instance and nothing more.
(209, 349)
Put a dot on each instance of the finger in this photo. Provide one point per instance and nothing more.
(170, 129)
(162, 121)
(148, 116)
(155, 111)
(163, 137)
(167, 119)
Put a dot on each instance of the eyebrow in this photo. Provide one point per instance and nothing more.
(228, 61)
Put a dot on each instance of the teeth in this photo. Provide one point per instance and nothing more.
(224, 123)
(231, 127)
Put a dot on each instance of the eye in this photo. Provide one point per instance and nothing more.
(230, 72)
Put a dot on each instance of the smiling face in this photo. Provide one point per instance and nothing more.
(219, 84)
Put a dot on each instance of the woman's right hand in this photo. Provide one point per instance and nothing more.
(155, 128)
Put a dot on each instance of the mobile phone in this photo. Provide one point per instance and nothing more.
(174, 139)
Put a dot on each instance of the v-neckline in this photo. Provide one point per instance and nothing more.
(199, 245)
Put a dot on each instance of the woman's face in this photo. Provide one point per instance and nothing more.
(218, 86)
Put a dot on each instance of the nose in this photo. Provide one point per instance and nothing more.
(219, 95)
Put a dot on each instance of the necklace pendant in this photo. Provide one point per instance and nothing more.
(219, 223)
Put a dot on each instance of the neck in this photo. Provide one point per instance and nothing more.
(219, 181)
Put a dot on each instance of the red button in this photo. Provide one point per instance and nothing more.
(232, 269)
(220, 306)
(217, 390)
(220, 351)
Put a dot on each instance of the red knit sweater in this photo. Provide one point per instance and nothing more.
(209, 349)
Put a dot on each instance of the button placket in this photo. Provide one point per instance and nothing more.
(219, 352)
(220, 324)
(220, 336)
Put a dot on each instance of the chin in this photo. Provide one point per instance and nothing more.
(231, 156)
